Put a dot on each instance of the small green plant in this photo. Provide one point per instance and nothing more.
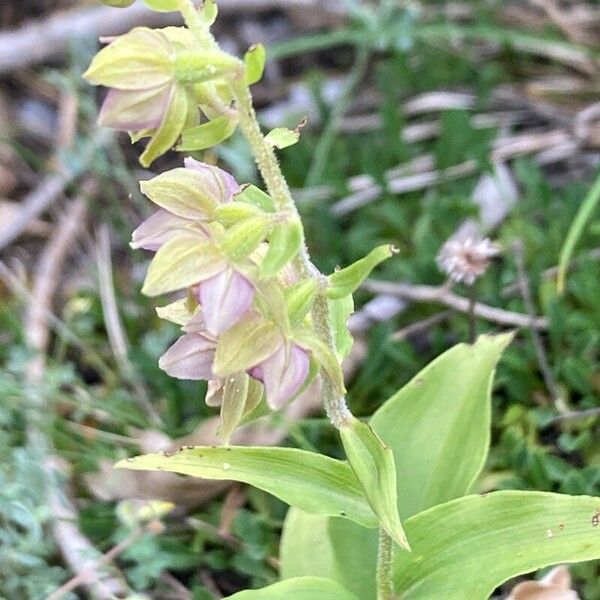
(263, 326)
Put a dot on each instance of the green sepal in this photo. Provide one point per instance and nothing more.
(180, 192)
(300, 298)
(207, 135)
(241, 395)
(308, 339)
(254, 61)
(373, 465)
(284, 242)
(209, 11)
(235, 391)
(136, 136)
(232, 212)
(178, 312)
(346, 280)
(197, 66)
(253, 195)
(244, 345)
(181, 262)
(274, 304)
(137, 60)
(244, 237)
(170, 129)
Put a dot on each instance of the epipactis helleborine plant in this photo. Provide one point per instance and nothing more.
(256, 315)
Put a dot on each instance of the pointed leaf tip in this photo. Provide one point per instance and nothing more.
(347, 280)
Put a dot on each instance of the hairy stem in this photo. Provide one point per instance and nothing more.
(268, 165)
(385, 560)
(195, 23)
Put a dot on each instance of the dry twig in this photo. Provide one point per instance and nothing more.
(536, 338)
(440, 294)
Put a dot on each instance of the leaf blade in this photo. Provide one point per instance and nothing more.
(316, 483)
(301, 588)
(509, 533)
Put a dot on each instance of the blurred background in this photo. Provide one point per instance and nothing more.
(424, 120)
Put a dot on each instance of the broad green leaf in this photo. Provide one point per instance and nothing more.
(345, 281)
(166, 135)
(162, 5)
(244, 237)
(207, 135)
(438, 424)
(281, 137)
(322, 354)
(319, 546)
(284, 243)
(244, 345)
(254, 61)
(253, 195)
(179, 263)
(340, 310)
(467, 547)
(373, 464)
(180, 191)
(313, 482)
(302, 588)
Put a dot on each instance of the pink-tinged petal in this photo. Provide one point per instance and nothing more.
(220, 185)
(161, 227)
(190, 357)
(283, 374)
(134, 110)
(224, 297)
(197, 325)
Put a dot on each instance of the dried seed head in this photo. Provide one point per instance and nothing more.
(466, 258)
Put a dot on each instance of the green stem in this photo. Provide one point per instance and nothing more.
(385, 561)
(195, 23)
